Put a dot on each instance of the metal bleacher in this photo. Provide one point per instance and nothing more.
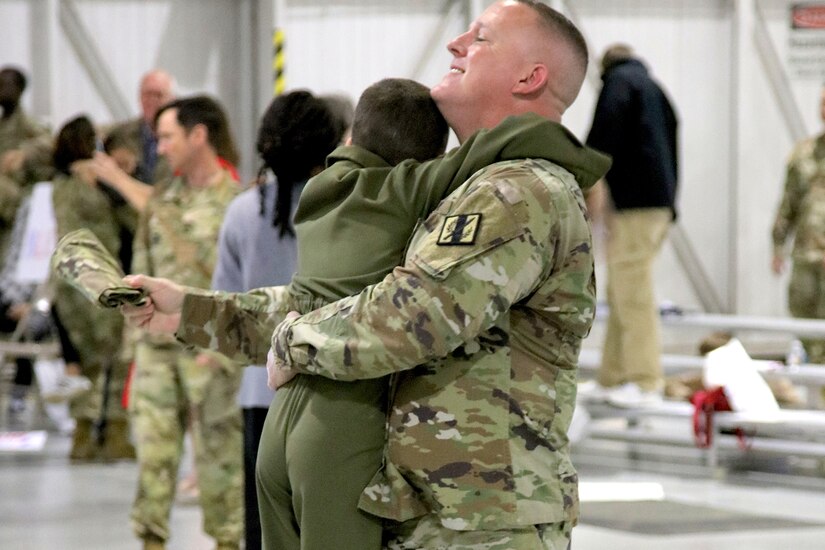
(790, 434)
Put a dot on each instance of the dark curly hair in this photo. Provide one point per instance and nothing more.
(297, 132)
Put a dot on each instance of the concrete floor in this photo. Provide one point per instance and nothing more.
(48, 503)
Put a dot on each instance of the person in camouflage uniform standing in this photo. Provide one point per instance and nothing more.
(178, 237)
(497, 293)
(25, 150)
(801, 218)
(97, 334)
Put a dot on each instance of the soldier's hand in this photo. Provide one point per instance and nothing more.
(206, 360)
(161, 312)
(12, 161)
(83, 170)
(276, 376)
(105, 167)
(778, 265)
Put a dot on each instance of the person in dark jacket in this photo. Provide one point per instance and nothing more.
(635, 123)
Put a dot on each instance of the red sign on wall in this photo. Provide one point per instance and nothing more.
(808, 16)
(806, 42)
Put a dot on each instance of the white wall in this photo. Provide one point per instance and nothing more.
(734, 140)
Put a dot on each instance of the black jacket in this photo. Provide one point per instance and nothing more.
(635, 124)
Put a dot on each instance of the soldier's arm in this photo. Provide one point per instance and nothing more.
(237, 325)
(37, 155)
(786, 217)
(444, 296)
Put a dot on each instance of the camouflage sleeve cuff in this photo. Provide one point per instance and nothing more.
(197, 310)
(83, 262)
(280, 345)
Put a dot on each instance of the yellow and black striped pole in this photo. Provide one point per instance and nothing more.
(278, 62)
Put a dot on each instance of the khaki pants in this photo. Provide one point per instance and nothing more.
(632, 346)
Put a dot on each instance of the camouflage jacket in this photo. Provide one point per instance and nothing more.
(20, 131)
(84, 263)
(484, 322)
(96, 333)
(178, 233)
(801, 212)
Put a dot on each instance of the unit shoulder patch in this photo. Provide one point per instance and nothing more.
(458, 230)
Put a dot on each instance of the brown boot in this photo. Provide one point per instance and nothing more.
(117, 445)
(84, 446)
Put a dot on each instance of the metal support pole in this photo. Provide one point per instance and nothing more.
(777, 77)
(435, 41)
(92, 60)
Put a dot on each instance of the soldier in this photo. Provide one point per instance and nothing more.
(178, 237)
(493, 301)
(25, 150)
(96, 334)
(515, 234)
(801, 217)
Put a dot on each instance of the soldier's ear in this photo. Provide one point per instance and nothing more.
(532, 81)
(199, 134)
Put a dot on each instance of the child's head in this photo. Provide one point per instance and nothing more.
(397, 119)
(122, 148)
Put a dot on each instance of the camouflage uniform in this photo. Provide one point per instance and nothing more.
(178, 238)
(802, 213)
(18, 131)
(96, 333)
(84, 263)
(492, 304)
(235, 324)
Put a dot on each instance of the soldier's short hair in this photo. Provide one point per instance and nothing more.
(616, 53)
(396, 119)
(205, 110)
(561, 26)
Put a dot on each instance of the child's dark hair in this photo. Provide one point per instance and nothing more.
(396, 119)
(297, 133)
(75, 141)
(120, 138)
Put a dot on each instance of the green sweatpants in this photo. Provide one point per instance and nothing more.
(321, 445)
